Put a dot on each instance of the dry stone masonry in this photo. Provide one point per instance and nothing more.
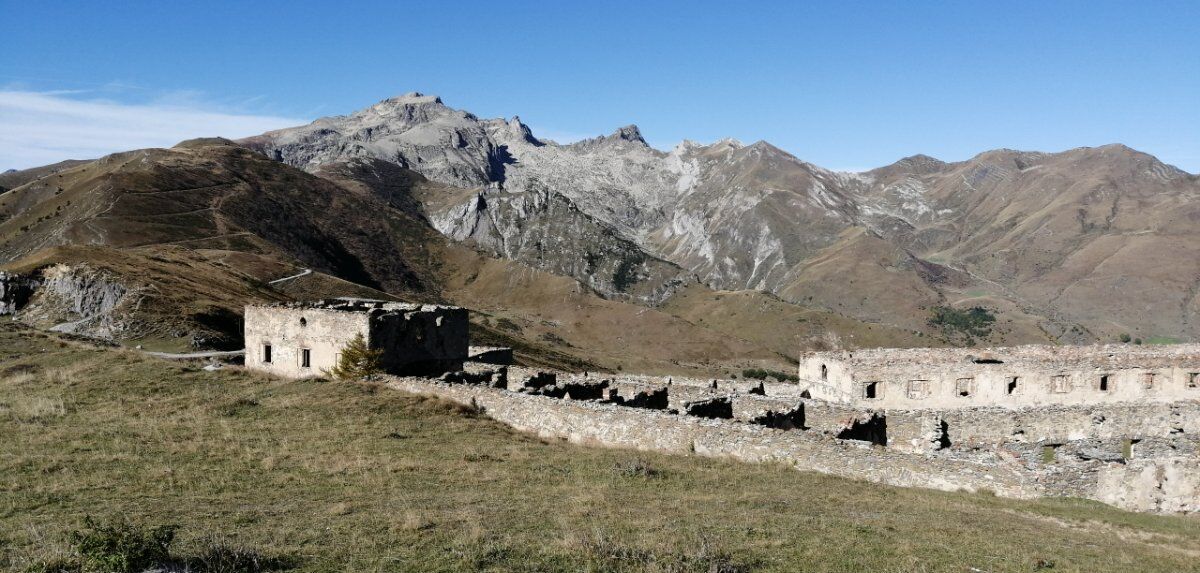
(1123, 428)
(1015, 377)
(1135, 455)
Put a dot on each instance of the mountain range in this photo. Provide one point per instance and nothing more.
(591, 250)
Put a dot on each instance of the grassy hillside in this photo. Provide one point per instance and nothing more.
(786, 328)
(325, 476)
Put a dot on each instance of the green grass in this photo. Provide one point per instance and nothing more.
(335, 477)
(1162, 340)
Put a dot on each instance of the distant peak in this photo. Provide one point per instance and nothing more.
(921, 160)
(920, 163)
(519, 129)
(200, 142)
(412, 98)
(628, 133)
(763, 144)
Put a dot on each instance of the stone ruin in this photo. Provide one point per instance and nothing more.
(1137, 455)
(1110, 432)
(1015, 377)
(306, 339)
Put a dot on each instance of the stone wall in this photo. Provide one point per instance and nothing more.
(618, 426)
(1153, 473)
(1018, 377)
(276, 337)
(413, 338)
(982, 426)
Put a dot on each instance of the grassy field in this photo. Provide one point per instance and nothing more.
(323, 476)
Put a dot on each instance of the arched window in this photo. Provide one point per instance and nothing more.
(824, 372)
(303, 321)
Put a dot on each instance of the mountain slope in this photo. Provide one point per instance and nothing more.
(162, 247)
(1104, 235)
(1070, 246)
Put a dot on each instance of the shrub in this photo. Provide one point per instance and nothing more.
(219, 555)
(973, 322)
(506, 324)
(554, 339)
(636, 467)
(122, 547)
(1125, 338)
(627, 274)
(358, 361)
(762, 374)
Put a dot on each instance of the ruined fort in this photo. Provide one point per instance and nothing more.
(1114, 423)
(306, 339)
(1016, 377)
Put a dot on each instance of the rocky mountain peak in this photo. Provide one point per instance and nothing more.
(521, 131)
(412, 98)
(921, 163)
(628, 133)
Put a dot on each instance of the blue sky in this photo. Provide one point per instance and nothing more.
(846, 85)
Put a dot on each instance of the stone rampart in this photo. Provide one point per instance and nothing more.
(1016, 377)
(617, 426)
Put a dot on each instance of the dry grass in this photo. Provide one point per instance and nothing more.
(334, 477)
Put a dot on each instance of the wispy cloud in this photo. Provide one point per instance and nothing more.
(40, 127)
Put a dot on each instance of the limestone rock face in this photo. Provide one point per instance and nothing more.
(84, 300)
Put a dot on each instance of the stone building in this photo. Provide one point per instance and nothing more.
(306, 339)
(1016, 377)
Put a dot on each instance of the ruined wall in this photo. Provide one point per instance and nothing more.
(1019, 377)
(420, 339)
(635, 428)
(289, 330)
(982, 426)
(966, 449)
(415, 339)
(1166, 486)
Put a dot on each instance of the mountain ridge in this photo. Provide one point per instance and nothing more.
(1073, 246)
(757, 217)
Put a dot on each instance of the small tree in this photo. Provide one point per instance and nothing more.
(358, 361)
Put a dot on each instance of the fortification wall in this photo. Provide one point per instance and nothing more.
(982, 426)
(1020, 377)
(1153, 473)
(425, 339)
(1166, 486)
(611, 425)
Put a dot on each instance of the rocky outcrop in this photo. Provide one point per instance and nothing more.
(546, 230)
(80, 300)
(15, 291)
